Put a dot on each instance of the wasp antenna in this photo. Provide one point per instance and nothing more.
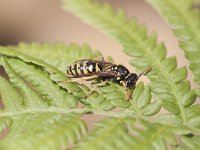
(148, 69)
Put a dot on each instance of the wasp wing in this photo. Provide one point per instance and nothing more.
(103, 62)
(98, 74)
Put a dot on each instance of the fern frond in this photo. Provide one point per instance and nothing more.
(5, 122)
(63, 54)
(127, 133)
(117, 100)
(184, 21)
(97, 101)
(160, 136)
(108, 134)
(141, 102)
(23, 111)
(56, 75)
(41, 81)
(58, 133)
(144, 48)
(132, 126)
(31, 98)
(12, 101)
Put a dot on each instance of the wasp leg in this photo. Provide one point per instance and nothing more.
(68, 81)
(129, 93)
(104, 61)
(102, 83)
(100, 58)
(94, 88)
(91, 78)
(64, 81)
(91, 91)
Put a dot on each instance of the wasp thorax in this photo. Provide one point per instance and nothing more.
(131, 80)
(122, 71)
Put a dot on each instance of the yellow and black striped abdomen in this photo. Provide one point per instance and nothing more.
(83, 68)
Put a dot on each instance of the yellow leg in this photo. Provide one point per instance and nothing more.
(63, 81)
(68, 81)
(94, 87)
(102, 83)
(90, 78)
(129, 94)
(100, 58)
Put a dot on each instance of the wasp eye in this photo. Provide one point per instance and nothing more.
(131, 80)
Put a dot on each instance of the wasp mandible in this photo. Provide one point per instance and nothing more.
(106, 71)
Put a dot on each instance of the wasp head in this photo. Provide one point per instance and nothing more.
(131, 80)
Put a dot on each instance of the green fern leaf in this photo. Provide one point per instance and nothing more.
(5, 122)
(117, 100)
(193, 142)
(97, 101)
(53, 127)
(11, 101)
(25, 112)
(185, 23)
(169, 119)
(142, 95)
(63, 55)
(141, 102)
(56, 75)
(31, 98)
(154, 134)
(151, 109)
(144, 48)
(59, 133)
(40, 81)
(124, 133)
(106, 135)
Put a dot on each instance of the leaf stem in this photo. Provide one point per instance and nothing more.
(65, 111)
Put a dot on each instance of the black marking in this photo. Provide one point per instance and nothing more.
(82, 67)
(70, 70)
(75, 69)
(89, 64)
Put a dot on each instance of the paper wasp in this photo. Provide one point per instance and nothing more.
(106, 71)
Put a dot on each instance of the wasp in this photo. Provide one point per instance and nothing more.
(106, 71)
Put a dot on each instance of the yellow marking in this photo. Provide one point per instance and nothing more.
(97, 68)
(68, 70)
(73, 71)
(84, 68)
(123, 83)
(118, 78)
(78, 68)
(90, 68)
(85, 71)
